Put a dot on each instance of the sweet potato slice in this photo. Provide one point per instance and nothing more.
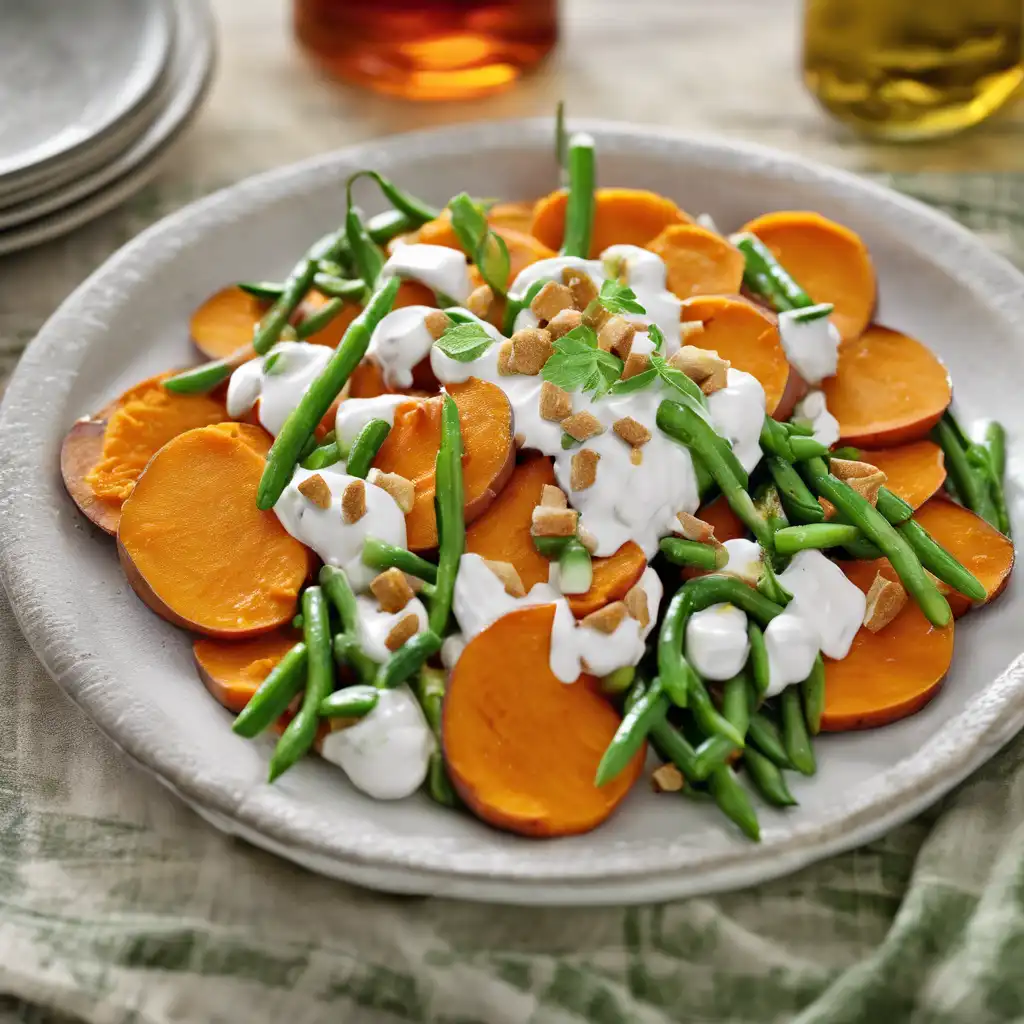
(194, 546)
(727, 525)
(622, 216)
(522, 747)
(516, 215)
(829, 261)
(748, 337)
(614, 577)
(698, 261)
(225, 321)
(972, 542)
(887, 675)
(80, 450)
(233, 670)
(889, 389)
(411, 449)
(915, 471)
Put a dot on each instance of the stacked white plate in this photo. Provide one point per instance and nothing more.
(93, 94)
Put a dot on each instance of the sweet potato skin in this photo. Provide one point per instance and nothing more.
(81, 449)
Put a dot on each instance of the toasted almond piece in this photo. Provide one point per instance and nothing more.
(553, 497)
(550, 301)
(479, 301)
(553, 522)
(636, 604)
(404, 629)
(595, 316)
(530, 350)
(436, 323)
(703, 366)
(636, 456)
(401, 489)
(582, 425)
(667, 779)
(587, 539)
(829, 508)
(582, 287)
(506, 572)
(583, 473)
(555, 404)
(862, 477)
(316, 490)
(886, 599)
(616, 336)
(562, 323)
(631, 431)
(353, 502)
(692, 528)
(606, 619)
(392, 590)
(690, 331)
(505, 364)
(636, 362)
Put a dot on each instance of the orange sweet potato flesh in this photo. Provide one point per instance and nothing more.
(828, 260)
(233, 670)
(748, 337)
(225, 322)
(889, 389)
(887, 675)
(727, 525)
(614, 577)
(622, 216)
(411, 450)
(915, 471)
(698, 261)
(522, 747)
(194, 546)
(516, 215)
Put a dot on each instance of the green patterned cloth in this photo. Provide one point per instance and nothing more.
(118, 905)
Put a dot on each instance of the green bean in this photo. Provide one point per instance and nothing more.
(812, 690)
(769, 504)
(367, 258)
(338, 287)
(322, 457)
(692, 552)
(352, 702)
(714, 752)
(336, 586)
(365, 447)
(758, 660)
(416, 211)
(313, 406)
(204, 378)
(551, 547)
(806, 448)
(561, 140)
(513, 307)
(803, 428)
(847, 452)
(383, 227)
(429, 691)
(939, 562)
(764, 734)
(298, 736)
(619, 681)
(266, 290)
(736, 702)
(580, 206)
(483, 246)
(861, 513)
(792, 539)
(575, 568)
(767, 779)
(800, 505)
(893, 507)
(378, 554)
(297, 621)
(677, 678)
(711, 722)
(312, 444)
(971, 484)
(317, 321)
(648, 708)
(768, 584)
(733, 801)
(407, 660)
(275, 693)
(672, 746)
(765, 276)
(451, 524)
(794, 732)
(995, 442)
(775, 439)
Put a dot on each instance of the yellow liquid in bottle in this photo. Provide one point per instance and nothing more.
(913, 69)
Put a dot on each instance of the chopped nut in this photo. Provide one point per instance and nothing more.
(636, 362)
(616, 335)
(631, 431)
(582, 425)
(401, 489)
(506, 572)
(505, 366)
(636, 605)
(692, 528)
(667, 779)
(316, 490)
(562, 323)
(583, 473)
(555, 404)
(582, 287)
(353, 502)
(550, 301)
(828, 507)
(690, 331)
(553, 497)
(530, 350)
(392, 590)
(519, 439)
(553, 522)
(636, 456)
(404, 629)
(886, 599)
(606, 619)
(479, 301)
(703, 367)
(596, 316)
(587, 539)
(436, 323)
(862, 477)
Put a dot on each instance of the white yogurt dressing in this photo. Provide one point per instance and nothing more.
(335, 541)
(813, 409)
(354, 413)
(374, 624)
(399, 342)
(737, 413)
(745, 560)
(438, 267)
(387, 753)
(716, 641)
(811, 346)
(296, 364)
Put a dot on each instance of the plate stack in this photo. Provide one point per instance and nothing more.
(93, 94)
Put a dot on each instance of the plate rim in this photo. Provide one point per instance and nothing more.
(981, 728)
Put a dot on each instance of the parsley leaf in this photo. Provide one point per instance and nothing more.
(635, 383)
(485, 248)
(577, 364)
(677, 379)
(657, 338)
(619, 298)
(464, 342)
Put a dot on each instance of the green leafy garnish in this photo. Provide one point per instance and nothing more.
(809, 313)
(657, 338)
(678, 380)
(635, 383)
(485, 248)
(464, 342)
(619, 298)
(577, 364)
(568, 441)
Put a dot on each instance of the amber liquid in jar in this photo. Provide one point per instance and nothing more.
(913, 69)
(428, 49)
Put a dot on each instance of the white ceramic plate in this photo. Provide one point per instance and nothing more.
(132, 673)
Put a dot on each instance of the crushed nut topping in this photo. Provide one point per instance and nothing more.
(401, 489)
(636, 605)
(436, 323)
(636, 456)
(392, 590)
(703, 366)
(551, 300)
(582, 425)
(404, 629)
(667, 779)
(315, 489)
(862, 477)
(555, 404)
(631, 431)
(587, 539)
(606, 619)
(531, 348)
(828, 507)
(692, 528)
(689, 331)
(636, 362)
(583, 473)
(506, 572)
(553, 497)
(553, 522)
(479, 301)
(505, 366)
(562, 323)
(886, 599)
(583, 289)
(353, 502)
(616, 336)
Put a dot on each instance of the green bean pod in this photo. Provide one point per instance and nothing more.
(893, 507)
(322, 457)
(320, 319)
(378, 554)
(794, 732)
(618, 682)
(971, 485)
(733, 801)
(408, 659)
(335, 585)
(275, 693)
(351, 702)
(995, 442)
(672, 746)
(804, 429)
(939, 562)
(801, 506)
(806, 448)
(581, 203)
(768, 780)
(736, 702)
(337, 288)
(817, 536)
(758, 661)
(513, 307)
(451, 523)
(766, 277)
(268, 291)
(812, 690)
(693, 553)
(764, 734)
(367, 259)
(676, 676)
(365, 447)
(416, 211)
(710, 720)
(202, 379)
(648, 708)
(775, 438)
(714, 752)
